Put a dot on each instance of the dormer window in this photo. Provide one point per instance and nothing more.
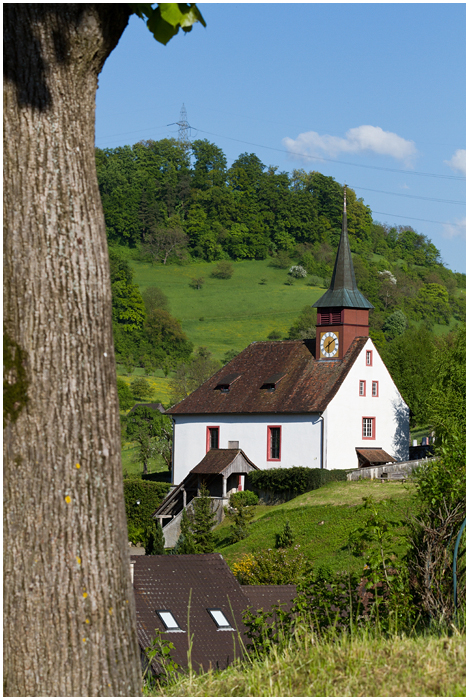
(225, 382)
(169, 621)
(220, 619)
(271, 383)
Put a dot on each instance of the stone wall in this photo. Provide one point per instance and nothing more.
(393, 468)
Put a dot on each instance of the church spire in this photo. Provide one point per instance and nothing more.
(343, 291)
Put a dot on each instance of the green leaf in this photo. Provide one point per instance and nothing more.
(165, 20)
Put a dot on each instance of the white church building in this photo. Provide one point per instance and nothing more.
(328, 403)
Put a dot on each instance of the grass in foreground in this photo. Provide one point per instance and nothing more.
(363, 665)
(336, 505)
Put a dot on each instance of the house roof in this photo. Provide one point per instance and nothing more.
(154, 407)
(374, 455)
(308, 385)
(189, 584)
(343, 290)
(264, 597)
(217, 460)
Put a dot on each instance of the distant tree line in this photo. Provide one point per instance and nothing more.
(173, 204)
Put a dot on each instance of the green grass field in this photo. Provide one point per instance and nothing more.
(365, 664)
(337, 504)
(234, 312)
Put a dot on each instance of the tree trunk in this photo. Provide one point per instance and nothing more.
(69, 618)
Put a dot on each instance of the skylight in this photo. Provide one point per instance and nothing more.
(168, 620)
(272, 381)
(225, 382)
(219, 618)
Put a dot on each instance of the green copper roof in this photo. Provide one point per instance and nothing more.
(343, 290)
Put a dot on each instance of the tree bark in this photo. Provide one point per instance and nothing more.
(69, 618)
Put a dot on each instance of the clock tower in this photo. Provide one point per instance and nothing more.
(342, 310)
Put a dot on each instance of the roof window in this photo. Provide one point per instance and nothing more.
(271, 383)
(169, 621)
(219, 619)
(226, 381)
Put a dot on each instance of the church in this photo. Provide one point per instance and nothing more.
(327, 403)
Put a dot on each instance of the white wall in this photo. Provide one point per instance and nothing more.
(343, 417)
(300, 439)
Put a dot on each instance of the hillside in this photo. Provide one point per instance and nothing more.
(337, 504)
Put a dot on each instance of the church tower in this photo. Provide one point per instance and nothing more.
(342, 310)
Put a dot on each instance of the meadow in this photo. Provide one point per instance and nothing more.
(229, 314)
(337, 505)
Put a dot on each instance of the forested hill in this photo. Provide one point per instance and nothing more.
(175, 204)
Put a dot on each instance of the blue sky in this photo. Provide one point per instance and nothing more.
(371, 94)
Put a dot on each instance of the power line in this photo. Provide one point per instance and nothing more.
(413, 218)
(341, 162)
(411, 196)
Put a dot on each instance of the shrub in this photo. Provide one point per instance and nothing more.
(316, 281)
(241, 516)
(223, 270)
(282, 260)
(272, 567)
(244, 498)
(141, 388)
(295, 480)
(274, 335)
(126, 399)
(285, 538)
(297, 271)
(149, 494)
(197, 282)
(154, 538)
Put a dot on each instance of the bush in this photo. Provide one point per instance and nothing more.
(295, 480)
(316, 281)
(282, 260)
(243, 498)
(149, 494)
(154, 538)
(274, 335)
(297, 271)
(197, 282)
(126, 399)
(285, 538)
(141, 388)
(223, 270)
(272, 567)
(241, 516)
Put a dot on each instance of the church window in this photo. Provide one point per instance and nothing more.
(213, 437)
(362, 388)
(273, 442)
(369, 358)
(374, 388)
(368, 428)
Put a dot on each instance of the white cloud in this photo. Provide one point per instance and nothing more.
(360, 139)
(456, 230)
(458, 161)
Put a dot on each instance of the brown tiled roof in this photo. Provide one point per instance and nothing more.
(264, 597)
(166, 582)
(374, 455)
(308, 385)
(216, 460)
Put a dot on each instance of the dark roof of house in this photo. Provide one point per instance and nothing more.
(154, 406)
(189, 584)
(216, 460)
(264, 597)
(343, 290)
(308, 385)
(374, 455)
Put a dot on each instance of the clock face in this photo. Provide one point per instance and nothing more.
(329, 344)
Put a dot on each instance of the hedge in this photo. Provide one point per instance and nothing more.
(294, 479)
(149, 493)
